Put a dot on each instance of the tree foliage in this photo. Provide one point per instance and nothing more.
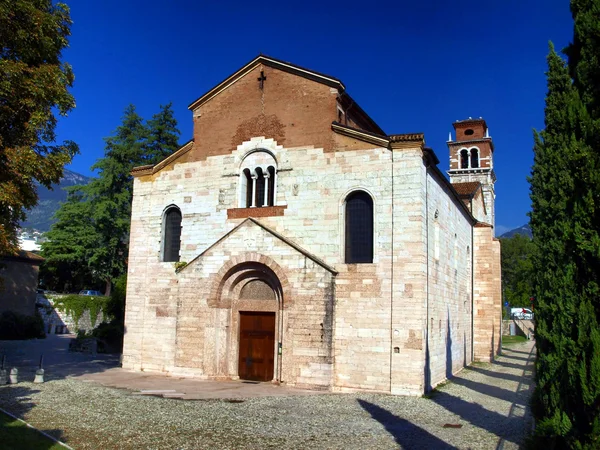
(517, 269)
(34, 85)
(69, 246)
(91, 235)
(565, 221)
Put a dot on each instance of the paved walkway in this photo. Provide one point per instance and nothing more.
(59, 363)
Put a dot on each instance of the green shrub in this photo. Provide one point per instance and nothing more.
(110, 337)
(15, 326)
(115, 307)
(75, 305)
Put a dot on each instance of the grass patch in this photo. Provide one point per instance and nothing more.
(15, 435)
(509, 340)
(432, 393)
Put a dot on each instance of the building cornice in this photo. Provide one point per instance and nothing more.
(152, 169)
(407, 140)
(361, 135)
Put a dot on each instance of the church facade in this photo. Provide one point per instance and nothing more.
(293, 241)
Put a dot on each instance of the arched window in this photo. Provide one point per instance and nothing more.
(359, 228)
(464, 159)
(171, 235)
(258, 180)
(474, 158)
(271, 197)
(260, 188)
(247, 188)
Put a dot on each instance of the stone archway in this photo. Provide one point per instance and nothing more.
(254, 295)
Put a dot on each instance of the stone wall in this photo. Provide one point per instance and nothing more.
(57, 321)
(449, 302)
(311, 187)
(487, 313)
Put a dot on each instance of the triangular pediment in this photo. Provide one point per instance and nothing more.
(271, 62)
(252, 243)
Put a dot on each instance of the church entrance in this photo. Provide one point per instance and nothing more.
(257, 346)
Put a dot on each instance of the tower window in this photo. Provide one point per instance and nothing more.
(469, 132)
(464, 159)
(172, 235)
(474, 158)
(359, 228)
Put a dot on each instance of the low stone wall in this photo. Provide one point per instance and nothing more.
(59, 322)
(524, 327)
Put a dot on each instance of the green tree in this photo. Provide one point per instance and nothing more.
(34, 85)
(68, 250)
(517, 269)
(133, 144)
(91, 237)
(564, 222)
(163, 135)
(111, 194)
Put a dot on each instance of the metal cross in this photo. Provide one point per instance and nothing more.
(261, 79)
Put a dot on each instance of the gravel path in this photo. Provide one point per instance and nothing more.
(488, 401)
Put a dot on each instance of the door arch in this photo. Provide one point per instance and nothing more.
(254, 296)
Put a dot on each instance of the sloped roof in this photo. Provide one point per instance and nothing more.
(467, 189)
(24, 256)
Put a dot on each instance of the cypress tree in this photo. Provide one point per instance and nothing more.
(564, 194)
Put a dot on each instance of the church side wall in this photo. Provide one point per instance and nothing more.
(487, 317)
(449, 285)
(152, 291)
(409, 281)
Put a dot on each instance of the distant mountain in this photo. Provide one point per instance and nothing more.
(525, 230)
(41, 217)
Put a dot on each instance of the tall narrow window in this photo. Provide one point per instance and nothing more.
(247, 187)
(271, 199)
(359, 228)
(172, 235)
(474, 158)
(260, 188)
(464, 159)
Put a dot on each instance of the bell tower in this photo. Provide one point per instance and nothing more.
(472, 160)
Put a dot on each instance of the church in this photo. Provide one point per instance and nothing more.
(293, 241)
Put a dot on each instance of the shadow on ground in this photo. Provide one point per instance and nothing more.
(17, 436)
(58, 362)
(407, 434)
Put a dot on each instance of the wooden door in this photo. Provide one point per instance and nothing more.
(257, 346)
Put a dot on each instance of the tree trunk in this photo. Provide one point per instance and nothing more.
(108, 287)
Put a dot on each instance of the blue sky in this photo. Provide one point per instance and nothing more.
(413, 66)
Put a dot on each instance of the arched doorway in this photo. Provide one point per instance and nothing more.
(254, 296)
(256, 352)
